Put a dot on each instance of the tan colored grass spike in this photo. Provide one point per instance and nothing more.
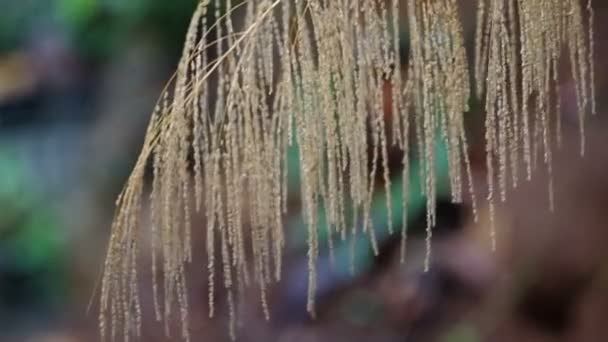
(315, 72)
(518, 52)
(498, 64)
(168, 140)
(441, 89)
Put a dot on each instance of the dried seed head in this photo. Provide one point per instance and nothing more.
(519, 48)
(300, 71)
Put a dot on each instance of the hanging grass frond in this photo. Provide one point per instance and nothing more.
(439, 74)
(519, 51)
(314, 73)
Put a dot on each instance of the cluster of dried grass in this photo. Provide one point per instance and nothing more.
(314, 71)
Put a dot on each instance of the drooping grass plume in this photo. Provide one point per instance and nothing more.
(314, 73)
(520, 46)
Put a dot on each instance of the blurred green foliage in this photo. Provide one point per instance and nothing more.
(462, 332)
(17, 17)
(97, 28)
(31, 236)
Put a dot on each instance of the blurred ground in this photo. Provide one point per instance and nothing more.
(78, 79)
